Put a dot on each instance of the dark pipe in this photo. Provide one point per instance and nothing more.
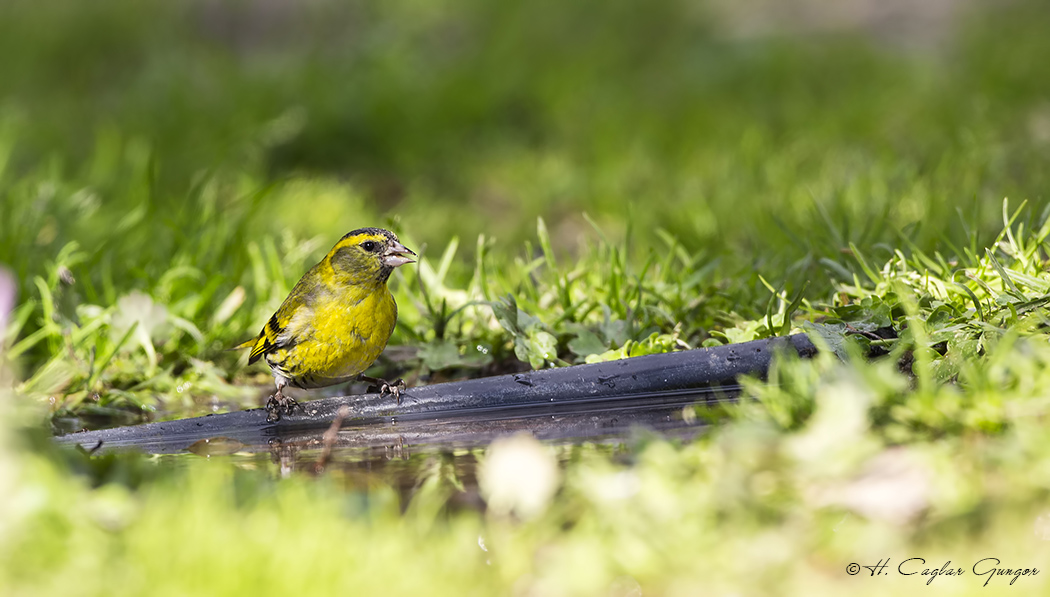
(662, 379)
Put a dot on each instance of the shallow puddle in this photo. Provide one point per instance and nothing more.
(404, 455)
(404, 450)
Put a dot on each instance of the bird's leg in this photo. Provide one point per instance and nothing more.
(385, 387)
(279, 401)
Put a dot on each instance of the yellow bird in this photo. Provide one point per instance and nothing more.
(336, 321)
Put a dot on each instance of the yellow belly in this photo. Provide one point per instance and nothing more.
(343, 338)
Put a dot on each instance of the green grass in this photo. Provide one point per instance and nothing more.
(583, 182)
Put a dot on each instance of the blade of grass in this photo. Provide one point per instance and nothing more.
(109, 357)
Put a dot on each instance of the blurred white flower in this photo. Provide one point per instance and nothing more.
(519, 475)
(153, 323)
(138, 307)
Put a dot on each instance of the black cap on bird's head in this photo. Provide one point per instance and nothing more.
(370, 252)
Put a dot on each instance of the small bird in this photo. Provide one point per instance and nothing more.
(336, 321)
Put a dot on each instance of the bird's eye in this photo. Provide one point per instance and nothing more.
(368, 245)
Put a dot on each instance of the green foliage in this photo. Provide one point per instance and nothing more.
(637, 181)
(205, 219)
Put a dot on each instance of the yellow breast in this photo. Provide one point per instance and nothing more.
(337, 338)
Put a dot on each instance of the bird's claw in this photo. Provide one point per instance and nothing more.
(278, 403)
(392, 388)
(385, 387)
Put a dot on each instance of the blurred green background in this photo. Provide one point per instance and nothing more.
(468, 117)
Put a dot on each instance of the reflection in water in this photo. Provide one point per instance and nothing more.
(215, 446)
(404, 455)
(411, 451)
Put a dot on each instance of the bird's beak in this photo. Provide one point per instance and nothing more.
(396, 254)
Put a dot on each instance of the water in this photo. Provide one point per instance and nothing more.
(400, 450)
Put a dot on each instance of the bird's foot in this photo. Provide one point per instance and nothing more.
(385, 387)
(278, 403)
(393, 388)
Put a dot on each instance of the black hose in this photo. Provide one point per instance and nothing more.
(660, 380)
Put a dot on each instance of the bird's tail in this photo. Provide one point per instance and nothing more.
(242, 345)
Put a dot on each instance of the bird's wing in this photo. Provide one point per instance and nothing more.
(268, 339)
(285, 326)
